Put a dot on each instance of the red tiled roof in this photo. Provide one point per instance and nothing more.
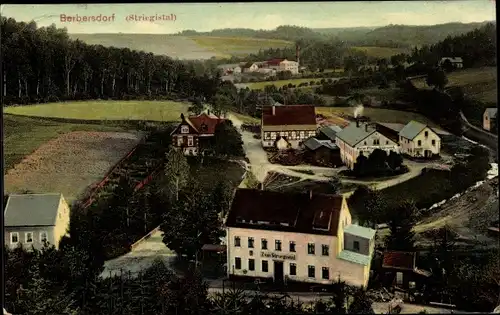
(289, 115)
(209, 120)
(399, 260)
(300, 212)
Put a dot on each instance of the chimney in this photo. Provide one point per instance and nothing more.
(310, 194)
(297, 53)
(261, 186)
(274, 110)
(357, 123)
(182, 117)
(366, 127)
(208, 112)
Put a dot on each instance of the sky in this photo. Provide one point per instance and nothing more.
(209, 16)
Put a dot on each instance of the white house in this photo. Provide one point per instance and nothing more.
(251, 67)
(229, 69)
(362, 138)
(32, 219)
(291, 66)
(301, 237)
(293, 123)
(456, 62)
(419, 140)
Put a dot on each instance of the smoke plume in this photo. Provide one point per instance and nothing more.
(358, 111)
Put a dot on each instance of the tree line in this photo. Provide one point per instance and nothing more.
(41, 64)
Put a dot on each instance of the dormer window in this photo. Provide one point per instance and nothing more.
(204, 128)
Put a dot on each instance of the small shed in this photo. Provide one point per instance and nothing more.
(490, 118)
(400, 270)
(321, 152)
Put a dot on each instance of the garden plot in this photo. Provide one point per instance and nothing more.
(70, 163)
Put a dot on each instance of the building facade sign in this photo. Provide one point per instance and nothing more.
(277, 256)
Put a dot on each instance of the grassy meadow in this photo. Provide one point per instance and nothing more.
(479, 83)
(279, 83)
(237, 46)
(105, 110)
(377, 114)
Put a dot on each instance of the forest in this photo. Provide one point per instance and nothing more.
(43, 65)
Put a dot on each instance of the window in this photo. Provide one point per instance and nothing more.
(43, 236)
(294, 135)
(14, 237)
(433, 142)
(419, 142)
(310, 249)
(355, 245)
(265, 266)
(312, 133)
(325, 273)
(325, 250)
(311, 271)
(302, 134)
(273, 135)
(426, 134)
(292, 247)
(184, 129)
(190, 141)
(237, 241)
(28, 237)
(263, 243)
(237, 263)
(376, 141)
(277, 245)
(250, 242)
(293, 269)
(251, 264)
(267, 135)
(282, 134)
(364, 143)
(179, 141)
(386, 142)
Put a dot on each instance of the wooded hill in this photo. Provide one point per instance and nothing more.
(396, 36)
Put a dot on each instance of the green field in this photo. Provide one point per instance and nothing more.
(105, 110)
(23, 135)
(381, 52)
(377, 114)
(238, 46)
(246, 119)
(279, 83)
(479, 83)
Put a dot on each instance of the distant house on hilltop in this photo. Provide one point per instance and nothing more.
(456, 62)
(32, 219)
(490, 118)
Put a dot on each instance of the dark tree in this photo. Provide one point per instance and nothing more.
(394, 160)
(361, 165)
(437, 78)
(377, 161)
(227, 140)
(448, 66)
(361, 303)
(401, 223)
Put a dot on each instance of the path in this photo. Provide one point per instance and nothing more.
(140, 258)
(260, 165)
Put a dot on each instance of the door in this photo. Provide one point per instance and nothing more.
(278, 271)
(427, 153)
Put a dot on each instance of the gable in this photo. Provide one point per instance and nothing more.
(185, 123)
(428, 129)
(372, 136)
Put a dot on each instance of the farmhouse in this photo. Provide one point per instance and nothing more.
(456, 62)
(32, 219)
(301, 237)
(287, 65)
(419, 140)
(229, 69)
(251, 67)
(400, 269)
(490, 118)
(358, 138)
(293, 123)
(195, 132)
(322, 152)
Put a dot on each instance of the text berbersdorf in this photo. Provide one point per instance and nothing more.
(277, 256)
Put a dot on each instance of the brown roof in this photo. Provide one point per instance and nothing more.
(213, 248)
(288, 212)
(289, 115)
(275, 62)
(399, 260)
(210, 121)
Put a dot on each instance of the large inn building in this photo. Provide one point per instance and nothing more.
(302, 237)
